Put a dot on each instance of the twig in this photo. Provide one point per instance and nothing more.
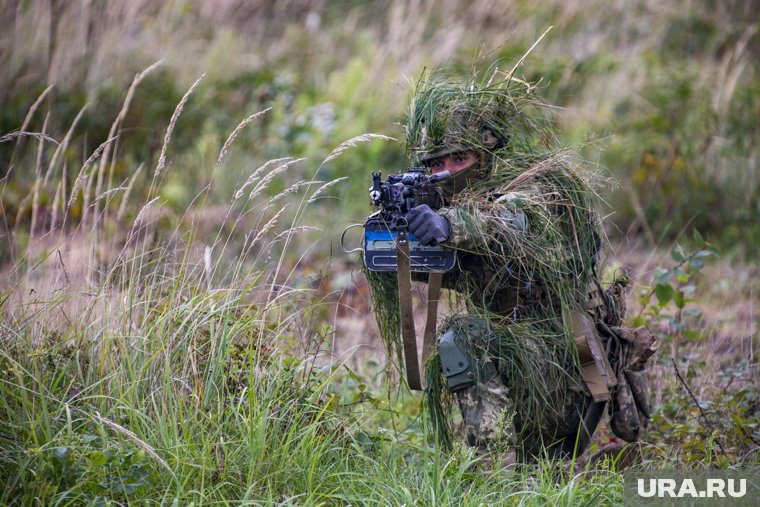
(522, 59)
(699, 407)
(731, 381)
(63, 266)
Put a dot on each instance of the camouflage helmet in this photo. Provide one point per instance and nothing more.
(446, 117)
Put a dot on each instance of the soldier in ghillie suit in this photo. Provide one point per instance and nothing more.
(534, 351)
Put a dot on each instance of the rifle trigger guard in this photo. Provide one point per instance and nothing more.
(342, 237)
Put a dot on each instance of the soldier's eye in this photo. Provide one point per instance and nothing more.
(435, 164)
(459, 157)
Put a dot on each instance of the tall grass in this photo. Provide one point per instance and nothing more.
(162, 364)
(119, 373)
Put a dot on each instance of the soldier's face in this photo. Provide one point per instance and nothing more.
(453, 163)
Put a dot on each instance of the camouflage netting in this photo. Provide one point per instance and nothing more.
(525, 280)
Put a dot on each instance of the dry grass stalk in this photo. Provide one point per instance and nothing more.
(139, 217)
(107, 193)
(37, 135)
(268, 225)
(64, 144)
(91, 179)
(296, 230)
(125, 197)
(37, 179)
(293, 188)
(237, 131)
(56, 203)
(207, 264)
(523, 57)
(82, 172)
(147, 205)
(64, 179)
(255, 175)
(542, 167)
(120, 118)
(134, 438)
(269, 177)
(33, 109)
(172, 124)
(352, 143)
(324, 187)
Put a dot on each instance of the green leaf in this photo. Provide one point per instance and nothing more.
(678, 299)
(333, 403)
(353, 375)
(97, 458)
(661, 275)
(698, 239)
(692, 335)
(363, 438)
(61, 455)
(696, 263)
(683, 278)
(677, 253)
(664, 293)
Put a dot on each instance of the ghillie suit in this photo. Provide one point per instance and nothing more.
(528, 244)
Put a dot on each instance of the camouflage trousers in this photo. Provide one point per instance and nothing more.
(490, 423)
(487, 413)
(491, 420)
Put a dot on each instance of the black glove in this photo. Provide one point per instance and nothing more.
(429, 227)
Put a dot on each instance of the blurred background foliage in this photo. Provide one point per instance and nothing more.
(664, 96)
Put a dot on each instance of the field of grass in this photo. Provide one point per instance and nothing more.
(177, 322)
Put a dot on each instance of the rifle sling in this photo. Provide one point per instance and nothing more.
(434, 293)
(405, 309)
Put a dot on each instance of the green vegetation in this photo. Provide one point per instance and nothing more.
(177, 324)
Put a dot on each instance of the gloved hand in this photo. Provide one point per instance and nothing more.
(429, 227)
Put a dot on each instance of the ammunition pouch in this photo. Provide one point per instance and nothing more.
(630, 404)
(596, 371)
(632, 348)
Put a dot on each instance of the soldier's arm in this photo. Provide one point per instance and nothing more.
(476, 228)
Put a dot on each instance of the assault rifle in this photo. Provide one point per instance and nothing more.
(387, 245)
(396, 196)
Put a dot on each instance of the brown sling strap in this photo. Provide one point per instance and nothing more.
(408, 333)
(405, 309)
(434, 293)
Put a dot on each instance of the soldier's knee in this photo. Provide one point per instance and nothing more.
(460, 365)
